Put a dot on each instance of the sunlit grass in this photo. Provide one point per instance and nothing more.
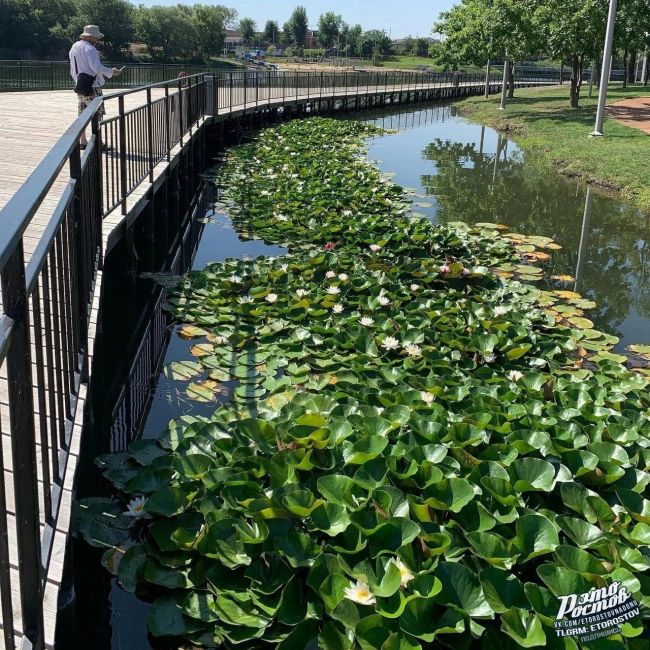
(540, 119)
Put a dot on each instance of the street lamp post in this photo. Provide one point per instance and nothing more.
(607, 65)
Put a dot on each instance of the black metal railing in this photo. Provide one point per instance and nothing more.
(47, 292)
(55, 75)
(46, 310)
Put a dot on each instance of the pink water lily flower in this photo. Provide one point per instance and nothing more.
(444, 268)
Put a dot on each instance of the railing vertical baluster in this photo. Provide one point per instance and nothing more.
(230, 103)
(180, 112)
(168, 134)
(150, 134)
(18, 362)
(123, 157)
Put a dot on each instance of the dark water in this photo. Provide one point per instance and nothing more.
(468, 173)
(472, 174)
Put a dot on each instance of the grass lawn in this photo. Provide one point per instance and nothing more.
(540, 119)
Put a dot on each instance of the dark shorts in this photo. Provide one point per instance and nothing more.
(85, 101)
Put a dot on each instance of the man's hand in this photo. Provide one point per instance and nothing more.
(117, 71)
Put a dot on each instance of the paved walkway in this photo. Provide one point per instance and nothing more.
(632, 112)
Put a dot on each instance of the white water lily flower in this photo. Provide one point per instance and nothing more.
(343, 277)
(334, 291)
(135, 508)
(375, 247)
(284, 268)
(220, 340)
(405, 572)
(426, 397)
(390, 343)
(514, 375)
(235, 278)
(383, 301)
(337, 308)
(265, 193)
(360, 593)
(413, 350)
(500, 310)
(347, 213)
(415, 287)
(244, 300)
(281, 217)
(489, 358)
(330, 275)
(367, 321)
(272, 297)
(301, 293)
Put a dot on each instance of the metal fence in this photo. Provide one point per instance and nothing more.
(55, 75)
(46, 300)
(46, 306)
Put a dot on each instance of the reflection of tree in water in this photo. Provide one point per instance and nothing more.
(471, 186)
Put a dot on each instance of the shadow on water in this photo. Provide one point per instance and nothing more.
(471, 173)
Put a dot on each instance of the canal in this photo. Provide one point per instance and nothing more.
(456, 171)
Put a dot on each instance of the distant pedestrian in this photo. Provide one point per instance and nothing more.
(88, 72)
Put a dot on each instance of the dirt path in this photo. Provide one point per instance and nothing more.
(632, 112)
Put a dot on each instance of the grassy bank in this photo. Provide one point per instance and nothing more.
(539, 119)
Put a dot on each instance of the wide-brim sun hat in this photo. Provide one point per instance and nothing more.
(91, 30)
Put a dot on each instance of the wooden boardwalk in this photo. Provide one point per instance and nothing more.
(32, 122)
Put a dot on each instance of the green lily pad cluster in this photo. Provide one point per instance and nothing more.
(412, 455)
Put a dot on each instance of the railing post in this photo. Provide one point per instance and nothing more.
(257, 88)
(18, 365)
(215, 95)
(168, 130)
(150, 134)
(81, 228)
(123, 178)
(180, 112)
(245, 87)
(308, 85)
(52, 74)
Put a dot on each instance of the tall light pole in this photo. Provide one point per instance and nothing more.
(607, 65)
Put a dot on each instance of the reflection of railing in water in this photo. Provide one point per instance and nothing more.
(411, 119)
(132, 403)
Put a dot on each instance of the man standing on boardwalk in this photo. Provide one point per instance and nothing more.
(88, 72)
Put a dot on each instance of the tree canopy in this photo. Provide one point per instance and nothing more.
(247, 29)
(295, 29)
(329, 27)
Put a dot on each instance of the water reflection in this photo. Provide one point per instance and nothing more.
(474, 174)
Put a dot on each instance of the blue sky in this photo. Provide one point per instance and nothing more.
(401, 17)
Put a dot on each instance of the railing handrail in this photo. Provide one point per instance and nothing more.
(159, 84)
(21, 207)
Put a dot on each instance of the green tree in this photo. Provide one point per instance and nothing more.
(247, 30)
(271, 31)
(353, 40)
(296, 27)
(114, 17)
(210, 22)
(329, 27)
(478, 30)
(170, 29)
(420, 47)
(374, 43)
(573, 30)
(631, 34)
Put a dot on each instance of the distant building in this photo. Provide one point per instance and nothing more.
(232, 41)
